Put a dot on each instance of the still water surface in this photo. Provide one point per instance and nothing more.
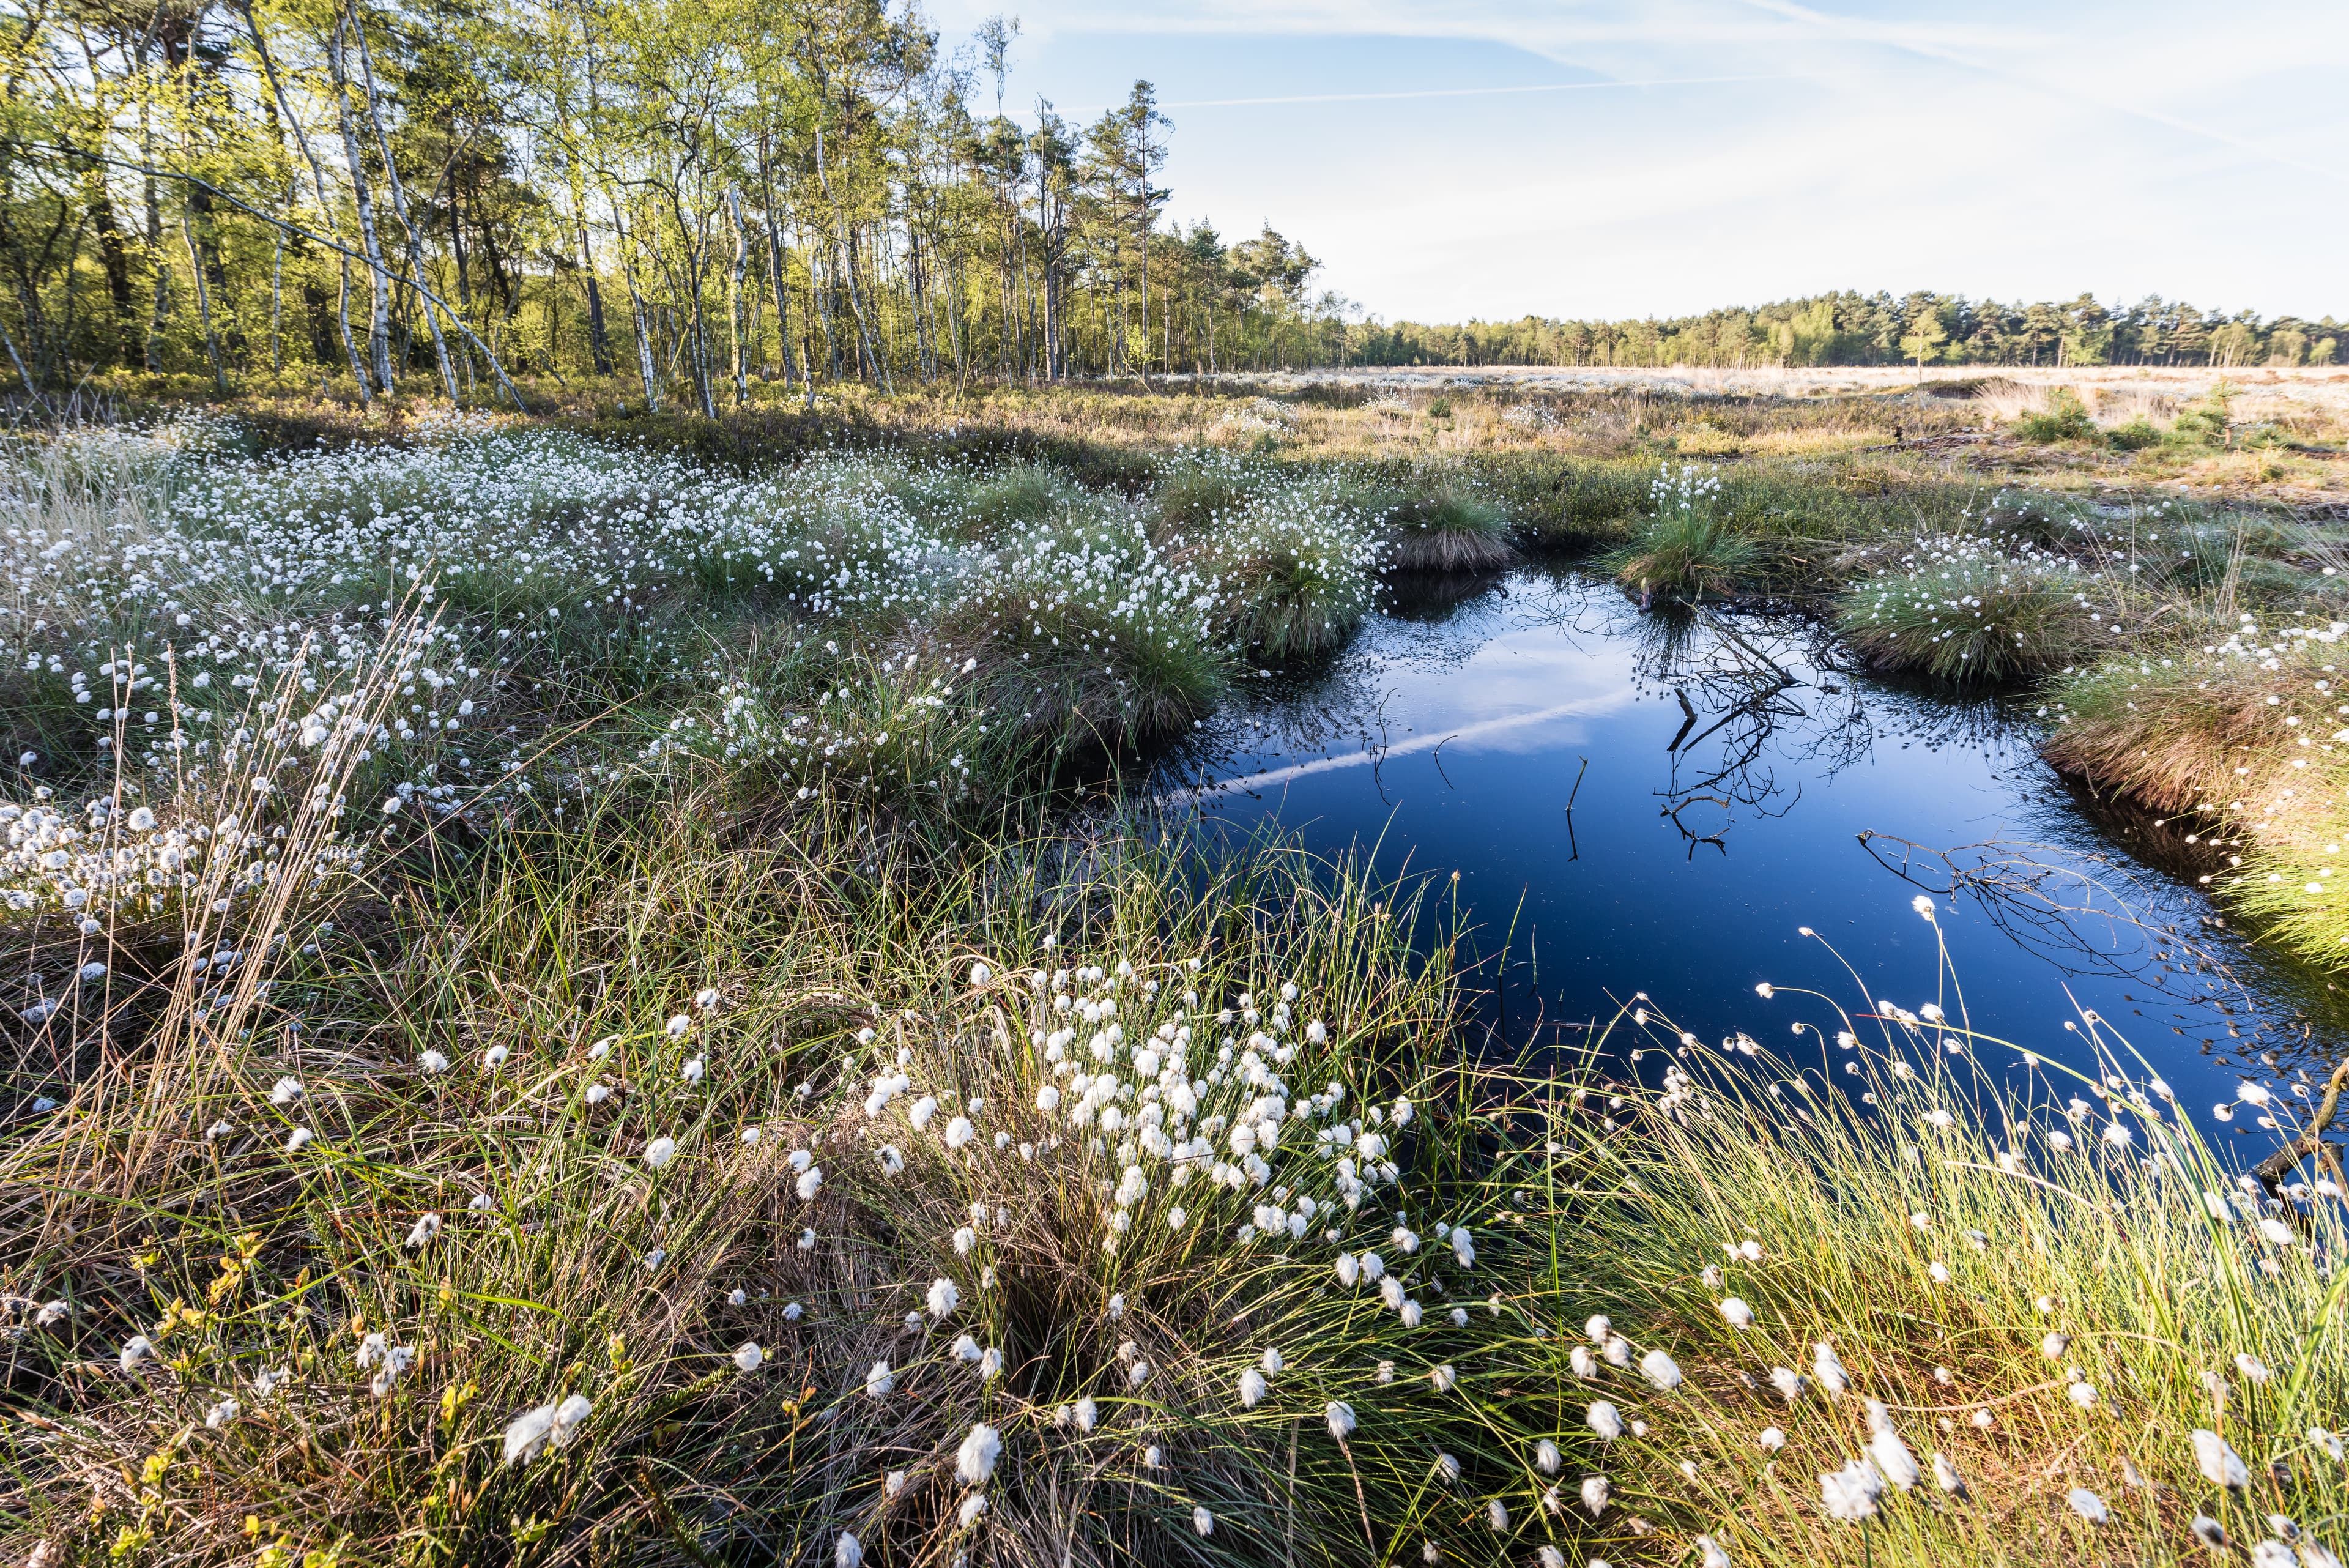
(1637, 802)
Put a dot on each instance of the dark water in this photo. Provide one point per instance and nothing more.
(1529, 733)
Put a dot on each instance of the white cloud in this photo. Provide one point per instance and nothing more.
(1425, 152)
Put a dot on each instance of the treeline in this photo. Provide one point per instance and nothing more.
(1850, 329)
(688, 194)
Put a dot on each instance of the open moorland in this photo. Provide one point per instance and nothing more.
(559, 1007)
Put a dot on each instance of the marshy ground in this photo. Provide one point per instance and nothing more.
(558, 1013)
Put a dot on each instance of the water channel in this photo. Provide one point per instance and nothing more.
(1649, 801)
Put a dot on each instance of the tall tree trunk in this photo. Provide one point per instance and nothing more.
(735, 328)
(277, 304)
(318, 179)
(775, 262)
(203, 307)
(400, 208)
(599, 336)
(697, 330)
(114, 257)
(379, 275)
(855, 304)
(637, 314)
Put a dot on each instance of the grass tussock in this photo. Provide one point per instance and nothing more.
(1971, 616)
(748, 1205)
(1456, 529)
(2036, 1306)
(1689, 549)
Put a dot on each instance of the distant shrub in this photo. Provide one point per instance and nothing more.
(1441, 409)
(2205, 423)
(2134, 436)
(2064, 418)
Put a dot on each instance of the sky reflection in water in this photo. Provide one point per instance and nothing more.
(1455, 731)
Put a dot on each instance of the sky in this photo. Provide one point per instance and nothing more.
(1490, 159)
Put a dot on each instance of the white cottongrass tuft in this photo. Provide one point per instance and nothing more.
(1849, 1494)
(2220, 1464)
(1252, 1387)
(944, 1297)
(880, 1381)
(974, 1459)
(1772, 1439)
(1202, 1521)
(421, 1234)
(1660, 1370)
(1341, 1417)
(1892, 1457)
(749, 1356)
(1596, 1491)
(1605, 1420)
(1827, 1368)
(847, 1552)
(1546, 1456)
(2089, 1505)
(661, 1151)
(530, 1432)
(1736, 1312)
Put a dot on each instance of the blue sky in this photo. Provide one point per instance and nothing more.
(1495, 158)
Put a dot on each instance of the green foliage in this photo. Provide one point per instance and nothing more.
(2064, 418)
(1852, 328)
(2205, 423)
